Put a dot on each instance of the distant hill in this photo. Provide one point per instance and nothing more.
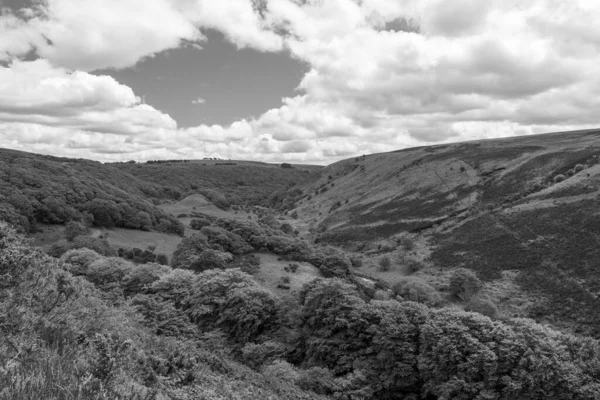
(44, 189)
(53, 190)
(240, 181)
(529, 204)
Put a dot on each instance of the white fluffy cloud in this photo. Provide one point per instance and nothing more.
(384, 75)
(36, 92)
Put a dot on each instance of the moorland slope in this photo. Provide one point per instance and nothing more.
(526, 204)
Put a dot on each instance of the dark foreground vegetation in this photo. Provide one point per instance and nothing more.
(88, 326)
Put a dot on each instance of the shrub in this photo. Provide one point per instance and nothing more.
(100, 246)
(249, 264)
(407, 243)
(208, 259)
(74, 229)
(78, 260)
(286, 228)
(385, 264)
(221, 239)
(291, 268)
(282, 370)
(142, 276)
(257, 355)
(464, 284)
(559, 178)
(579, 168)
(413, 265)
(199, 223)
(356, 260)
(162, 259)
(482, 306)
(335, 265)
(570, 172)
(59, 248)
(217, 198)
(417, 290)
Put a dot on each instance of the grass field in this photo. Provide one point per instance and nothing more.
(272, 271)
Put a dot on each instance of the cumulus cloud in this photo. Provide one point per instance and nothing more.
(383, 74)
(37, 92)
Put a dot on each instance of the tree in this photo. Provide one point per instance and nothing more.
(199, 223)
(464, 284)
(210, 291)
(248, 312)
(74, 229)
(415, 289)
(385, 264)
(208, 259)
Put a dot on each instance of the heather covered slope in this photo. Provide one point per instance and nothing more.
(413, 189)
(527, 204)
(44, 189)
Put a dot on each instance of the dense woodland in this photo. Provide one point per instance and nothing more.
(91, 326)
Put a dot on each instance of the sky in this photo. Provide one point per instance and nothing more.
(306, 81)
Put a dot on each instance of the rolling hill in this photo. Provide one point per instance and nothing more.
(52, 190)
(527, 204)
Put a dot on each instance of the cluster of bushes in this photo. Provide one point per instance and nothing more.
(99, 245)
(390, 349)
(292, 268)
(154, 330)
(140, 256)
(75, 336)
(199, 223)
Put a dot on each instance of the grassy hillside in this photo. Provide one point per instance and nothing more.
(526, 204)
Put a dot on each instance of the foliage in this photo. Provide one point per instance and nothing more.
(248, 313)
(231, 301)
(74, 229)
(215, 197)
(464, 283)
(559, 178)
(56, 191)
(259, 354)
(188, 247)
(385, 263)
(254, 234)
(482, 306)
(208, 259)
(294, 248)
(253, 183)
(417, 290)
(465, 355)
(221, 239)
(62, 341)
(199, 223)
(100, 246)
